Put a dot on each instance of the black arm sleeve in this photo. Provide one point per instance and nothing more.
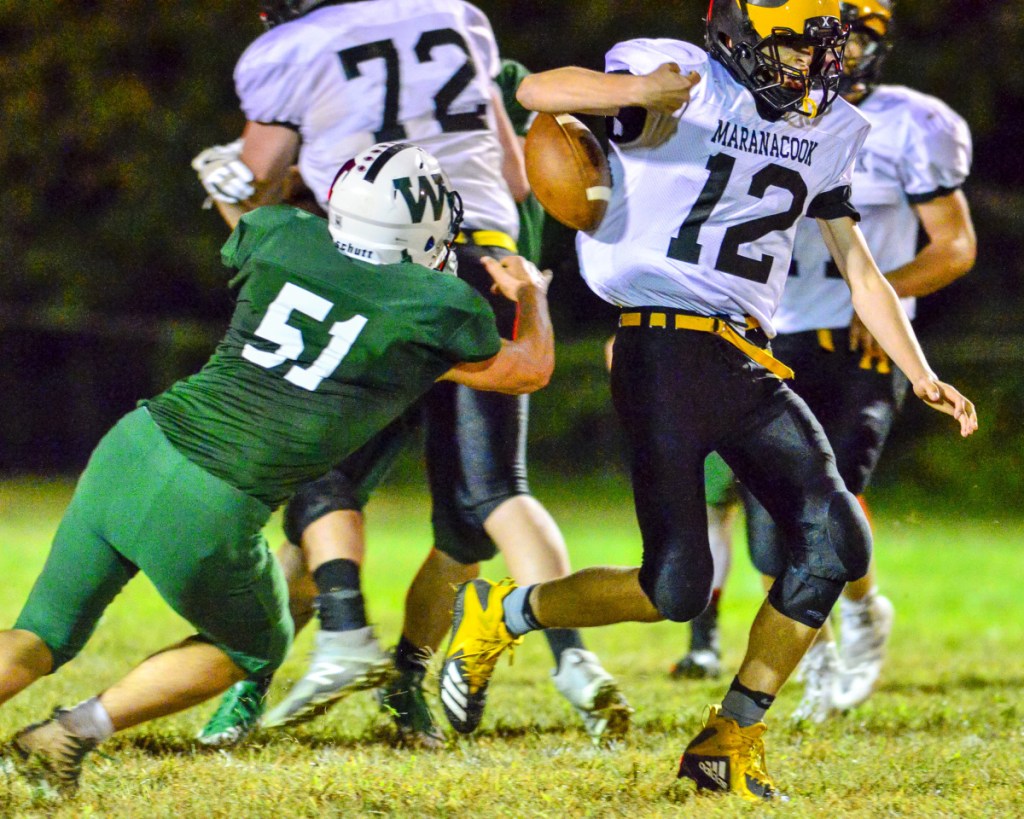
(833, 204)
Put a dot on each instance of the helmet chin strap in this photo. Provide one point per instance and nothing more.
(808, 107)
(449, 261)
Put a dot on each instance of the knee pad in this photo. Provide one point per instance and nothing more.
(678, 595)
(464, 541)
(803, 597)
(838, 550)
(333, 492)
(849, 536)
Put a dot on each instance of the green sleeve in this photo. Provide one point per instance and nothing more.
(475, 337)
(508, 80)
(252, 229)
(237, 248)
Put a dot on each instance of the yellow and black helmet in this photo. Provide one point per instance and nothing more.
(871, 20)
(745, 36)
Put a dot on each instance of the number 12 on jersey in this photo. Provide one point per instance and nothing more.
(290, 344)
(685, 246)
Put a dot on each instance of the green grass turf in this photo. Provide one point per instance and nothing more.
(942, 737)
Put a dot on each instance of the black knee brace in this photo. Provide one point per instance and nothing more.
(837, 551)
(678, 589)
(333, 492)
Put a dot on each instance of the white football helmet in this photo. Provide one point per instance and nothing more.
(393, 203)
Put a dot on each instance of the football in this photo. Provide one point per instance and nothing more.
(568, 171)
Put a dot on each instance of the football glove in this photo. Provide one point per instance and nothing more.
(223, 174)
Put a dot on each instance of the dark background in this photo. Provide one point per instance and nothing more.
(112, 285)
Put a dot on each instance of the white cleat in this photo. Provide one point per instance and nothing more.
(342, 662)
(820, 671)
(864, 631)
(594, 694)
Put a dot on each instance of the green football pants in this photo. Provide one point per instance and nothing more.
(142, 506)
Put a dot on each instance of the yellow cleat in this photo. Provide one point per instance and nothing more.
(725, 757)
(479, 637)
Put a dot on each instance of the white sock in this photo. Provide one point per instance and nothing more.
(858, 606)
(89, 720)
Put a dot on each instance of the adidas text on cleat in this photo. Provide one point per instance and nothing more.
(594, 694)
(237, 715)
(697, 664)
(864, 631)
(725, 757)
(343, 662)
(50, 756)
(403, 698)
(478, 638)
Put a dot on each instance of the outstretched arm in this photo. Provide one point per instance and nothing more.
(524, 365)
(877, 305)
(560, 90)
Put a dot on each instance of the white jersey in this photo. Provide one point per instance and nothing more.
(918, 149)
(347, 76)
(705, 222)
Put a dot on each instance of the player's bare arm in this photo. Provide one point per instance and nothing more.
(950, 253)
(249, 172)
(951, 250)
(268, 151)
(664, 91)
(524, 365)
(513, 166)
(878, 306)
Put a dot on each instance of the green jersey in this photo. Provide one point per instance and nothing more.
(323, 351)
(531, 214)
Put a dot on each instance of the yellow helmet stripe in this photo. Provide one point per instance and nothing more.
(766, 15)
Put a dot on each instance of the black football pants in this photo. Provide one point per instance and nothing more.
(682, 394)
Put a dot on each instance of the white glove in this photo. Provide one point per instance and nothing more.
(224, 175)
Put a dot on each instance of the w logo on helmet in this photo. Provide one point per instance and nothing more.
(417, 202)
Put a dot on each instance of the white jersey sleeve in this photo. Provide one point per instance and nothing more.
(918, 149)
(938, 152)
(646, 55)
(835, 199)
(271, 86)
(481, 40)
(348, 75)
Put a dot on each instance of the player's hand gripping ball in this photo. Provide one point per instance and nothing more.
(568, 171)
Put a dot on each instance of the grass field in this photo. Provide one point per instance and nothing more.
(942, 737)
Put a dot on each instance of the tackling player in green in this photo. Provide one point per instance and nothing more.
(339, 326)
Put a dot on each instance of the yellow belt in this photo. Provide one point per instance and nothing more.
(878, 362)
(706, 324)
(488, 238)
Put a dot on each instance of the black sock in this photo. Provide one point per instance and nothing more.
(337, 575)
(410, 657)
(745, 706)
(560, 639)
(340, 602)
